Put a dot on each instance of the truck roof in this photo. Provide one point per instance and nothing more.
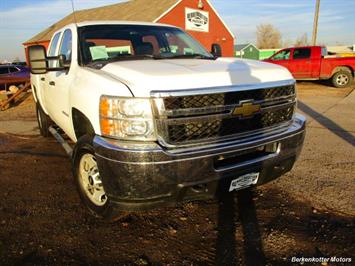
(307, 46)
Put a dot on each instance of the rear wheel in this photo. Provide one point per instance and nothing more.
(89, 184)
(342, 79)
(44, 122)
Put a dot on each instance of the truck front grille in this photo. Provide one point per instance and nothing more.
(221, 127)
(210, 117)
(218, 99)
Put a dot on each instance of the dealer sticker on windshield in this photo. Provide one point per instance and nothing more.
(244, 181)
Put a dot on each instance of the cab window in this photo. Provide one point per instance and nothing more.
(66, 45)
(283, 55)
(302, 53)
(53, 48)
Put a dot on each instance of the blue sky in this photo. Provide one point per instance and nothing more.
(21, 19)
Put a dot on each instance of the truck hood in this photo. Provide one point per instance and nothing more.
(144, 76)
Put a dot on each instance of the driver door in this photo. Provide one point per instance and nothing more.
(282, 58)
(58, 84)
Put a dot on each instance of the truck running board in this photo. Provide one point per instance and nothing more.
(68, 149)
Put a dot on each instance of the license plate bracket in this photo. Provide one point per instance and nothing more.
(244, 181)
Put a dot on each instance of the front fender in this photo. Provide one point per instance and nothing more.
(86, 90)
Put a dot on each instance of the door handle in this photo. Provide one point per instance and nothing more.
(43, 79)
(52, 83)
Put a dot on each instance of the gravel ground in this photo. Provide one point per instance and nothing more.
(308, 212)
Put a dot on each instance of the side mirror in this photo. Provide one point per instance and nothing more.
(63, 62)
(216, 50)
(38, 59)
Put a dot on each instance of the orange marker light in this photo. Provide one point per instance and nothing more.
(104, 107)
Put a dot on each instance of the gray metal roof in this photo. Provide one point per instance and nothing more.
(239, 47)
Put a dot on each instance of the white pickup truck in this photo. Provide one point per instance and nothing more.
(156, 119)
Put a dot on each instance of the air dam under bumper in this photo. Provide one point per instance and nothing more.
(144, 176)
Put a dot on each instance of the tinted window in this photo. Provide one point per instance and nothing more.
(302, 53)
(4, 70)
(66, 46)
(13, 69)
(283, 55)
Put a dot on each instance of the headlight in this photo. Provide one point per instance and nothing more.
(127, 118)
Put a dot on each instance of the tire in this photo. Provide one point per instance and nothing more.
(342, 79)
(43, 120)
(88, 183)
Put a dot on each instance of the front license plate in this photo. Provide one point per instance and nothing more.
(244, 181)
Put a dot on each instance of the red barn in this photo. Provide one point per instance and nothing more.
(198, 17)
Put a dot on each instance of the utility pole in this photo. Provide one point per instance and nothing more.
(315, 24)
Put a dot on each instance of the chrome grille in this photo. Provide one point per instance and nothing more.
(215, 128)
(200, 117)
(198, 101)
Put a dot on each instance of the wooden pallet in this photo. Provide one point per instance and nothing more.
(12, 97)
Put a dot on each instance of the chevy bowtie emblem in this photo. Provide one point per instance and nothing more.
(247, 109)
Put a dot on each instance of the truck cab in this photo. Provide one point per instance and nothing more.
(155, 119)
(314, 63)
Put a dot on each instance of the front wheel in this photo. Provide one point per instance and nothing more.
(342, 79)
(88, 181)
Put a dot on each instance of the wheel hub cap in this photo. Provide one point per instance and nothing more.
(90, 180)
(342, 79)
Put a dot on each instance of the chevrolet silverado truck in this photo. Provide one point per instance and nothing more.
(314, 63)
(155, 119)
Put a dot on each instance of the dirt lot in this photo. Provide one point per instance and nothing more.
(308, 212)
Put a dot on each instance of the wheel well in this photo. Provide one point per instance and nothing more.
(343, 68)
(82, 125)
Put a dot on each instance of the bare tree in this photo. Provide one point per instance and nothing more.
(287, 43)
(302, 40)
(268, 36)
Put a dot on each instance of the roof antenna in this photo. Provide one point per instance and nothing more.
(72, 6)
(80, 57)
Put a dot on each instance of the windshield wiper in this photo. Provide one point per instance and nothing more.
(194, 56)
(99, 63)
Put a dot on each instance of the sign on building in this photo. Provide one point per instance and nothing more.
(196, 20)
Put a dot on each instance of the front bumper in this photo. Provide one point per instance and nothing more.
(144, 176)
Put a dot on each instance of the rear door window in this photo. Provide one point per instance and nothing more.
(302, 53)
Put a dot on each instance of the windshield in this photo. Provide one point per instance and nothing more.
(107, 43)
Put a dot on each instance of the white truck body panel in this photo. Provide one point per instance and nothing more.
(144, 76)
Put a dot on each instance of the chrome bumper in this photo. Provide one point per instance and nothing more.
(144, 176)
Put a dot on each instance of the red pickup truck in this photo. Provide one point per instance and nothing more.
(313, 63)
